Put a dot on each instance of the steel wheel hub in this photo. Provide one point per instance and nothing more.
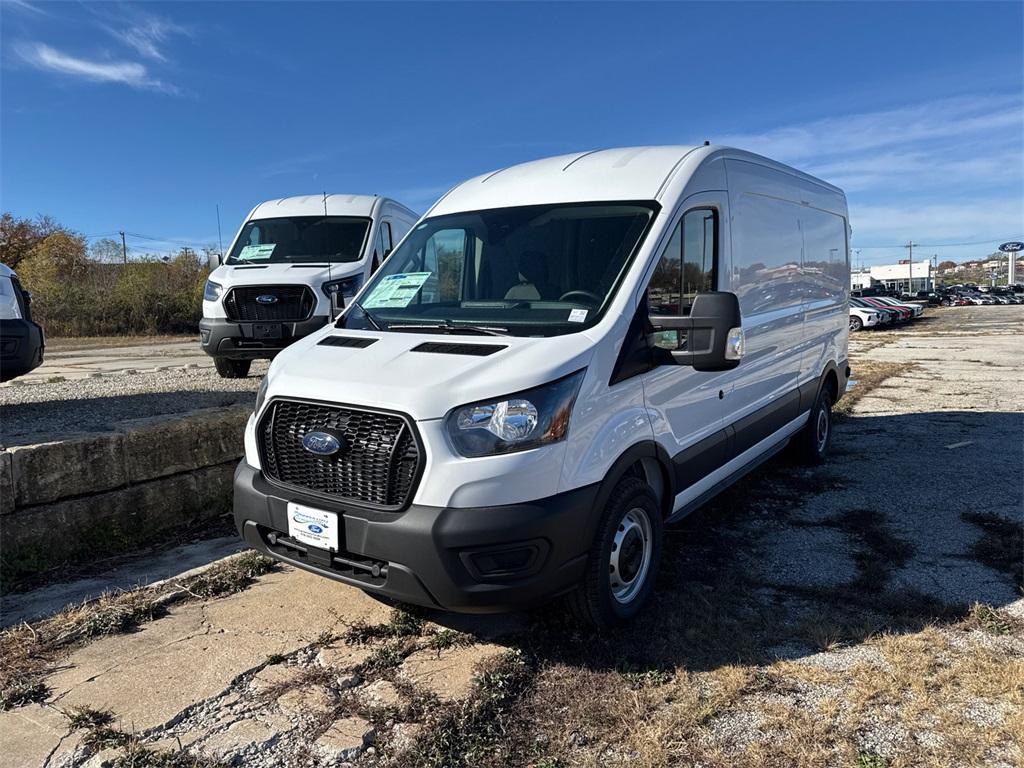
(630, 556)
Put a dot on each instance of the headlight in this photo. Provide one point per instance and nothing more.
(346, 286)
(212, 291)
(517, 422)
(9, 308)
(261, 395)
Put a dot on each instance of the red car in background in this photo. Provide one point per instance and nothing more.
(906, 313)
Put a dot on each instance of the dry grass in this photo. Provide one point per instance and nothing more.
(28, 651)
(869, 375)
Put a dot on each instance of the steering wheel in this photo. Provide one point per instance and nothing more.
(587, 296)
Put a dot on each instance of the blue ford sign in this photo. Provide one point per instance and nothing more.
(266, 298)
(1011, 247)
(321, 443)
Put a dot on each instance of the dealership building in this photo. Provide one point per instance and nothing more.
(905, 277)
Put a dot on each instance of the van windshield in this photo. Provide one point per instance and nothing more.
(538, 270)
(300, 239)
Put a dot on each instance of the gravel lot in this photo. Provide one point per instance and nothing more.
(31, 413)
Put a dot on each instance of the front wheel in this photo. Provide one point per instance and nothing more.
(623, 561)
(856, 323)
(232, 369)
(812, 442)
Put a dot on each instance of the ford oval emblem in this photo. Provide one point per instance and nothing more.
(266, 298)
(321, 443)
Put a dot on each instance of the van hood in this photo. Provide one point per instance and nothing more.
(231, 275)
(427, 383)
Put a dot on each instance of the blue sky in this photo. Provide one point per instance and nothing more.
(144, 117)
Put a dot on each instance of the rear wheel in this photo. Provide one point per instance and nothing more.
(623, 561)
(811, 443)
(856, 323)
(232, 369)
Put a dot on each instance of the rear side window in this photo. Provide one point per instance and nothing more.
(687, 267)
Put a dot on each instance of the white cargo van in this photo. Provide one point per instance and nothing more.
(560, 358)
(291, 267)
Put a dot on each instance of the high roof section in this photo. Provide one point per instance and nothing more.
(313, 205)
(625, 173)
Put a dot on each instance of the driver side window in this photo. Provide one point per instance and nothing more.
(686, 268)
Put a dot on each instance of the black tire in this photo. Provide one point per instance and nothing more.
(593, 602)
(809, 445)
(856, 323)
(232, 369)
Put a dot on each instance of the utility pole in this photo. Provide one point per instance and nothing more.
(910, 247)
(124, 248)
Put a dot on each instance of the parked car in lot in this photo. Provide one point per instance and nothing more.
(21, 340)
(904, 313)
(889, 315)
(864, 318)
(558, 359)
(289, 271)
(916, 310)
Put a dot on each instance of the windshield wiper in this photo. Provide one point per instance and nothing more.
(377, 326)
(485, 330)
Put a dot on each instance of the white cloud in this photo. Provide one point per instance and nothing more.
(949, 170)
(147, 34)
(45, 57)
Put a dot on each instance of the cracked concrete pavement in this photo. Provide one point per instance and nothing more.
(931, 445)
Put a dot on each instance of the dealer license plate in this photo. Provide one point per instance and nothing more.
(314, 527)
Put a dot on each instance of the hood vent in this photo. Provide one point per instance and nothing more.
(251, 266)
(347, 341)
(448, 348)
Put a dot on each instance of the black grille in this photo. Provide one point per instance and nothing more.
(293, 302)
(377, 465)
(449, 348)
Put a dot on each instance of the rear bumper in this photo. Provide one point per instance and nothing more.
(480, 560)
(21, 347)
(220, 337)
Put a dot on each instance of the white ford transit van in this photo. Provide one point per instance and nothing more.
(291, 267)
(558, 359)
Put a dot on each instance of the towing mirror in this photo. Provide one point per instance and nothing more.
(711, 336)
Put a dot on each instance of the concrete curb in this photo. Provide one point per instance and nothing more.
(99, 494)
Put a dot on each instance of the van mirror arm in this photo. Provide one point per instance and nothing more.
(714, 332)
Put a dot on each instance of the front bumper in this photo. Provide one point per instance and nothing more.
(478, 560)
(21, 347)
(220, 337)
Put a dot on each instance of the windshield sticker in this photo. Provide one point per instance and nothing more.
(396, 290)
(578, 316)
(256, 252)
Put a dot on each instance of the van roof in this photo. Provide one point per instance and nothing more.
(623, 173)
(311, 205)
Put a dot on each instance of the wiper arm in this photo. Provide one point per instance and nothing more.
(377, 326)
(484, 330)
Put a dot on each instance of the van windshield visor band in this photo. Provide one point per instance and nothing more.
(539, 270)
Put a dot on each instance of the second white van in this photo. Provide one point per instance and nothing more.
(290, 269)
(558, 360)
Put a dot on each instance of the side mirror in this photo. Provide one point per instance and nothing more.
(214, 260)
(713, 332)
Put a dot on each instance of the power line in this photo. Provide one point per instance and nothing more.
(934, 245)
